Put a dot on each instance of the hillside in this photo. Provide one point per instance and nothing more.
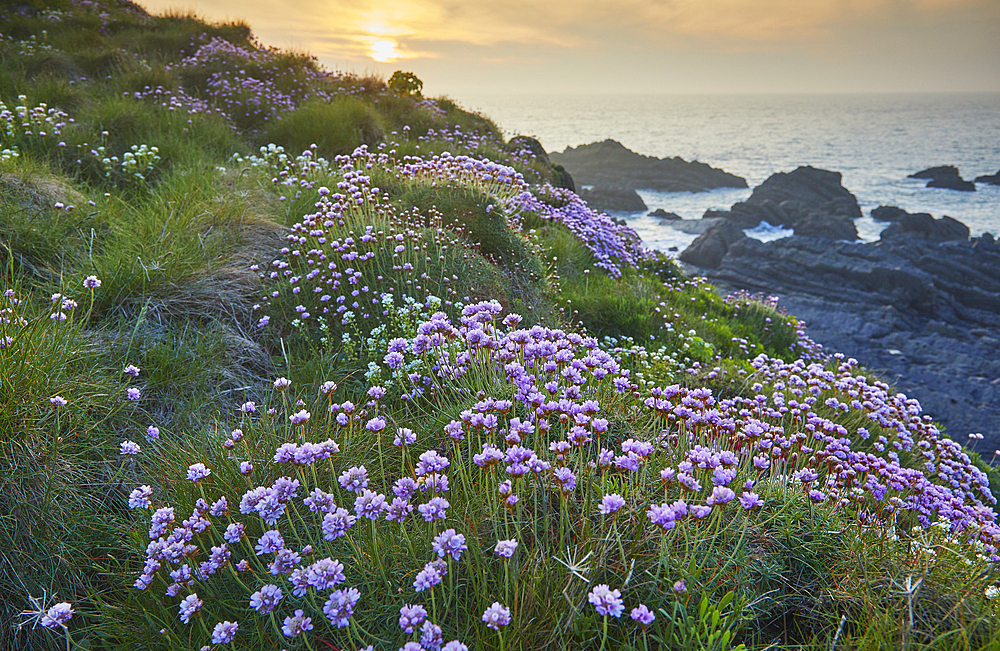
(292, 358)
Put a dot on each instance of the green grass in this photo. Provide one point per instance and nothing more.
(179, 300)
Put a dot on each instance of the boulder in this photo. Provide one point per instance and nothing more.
(663, 214)
(923, 226)
(990, 179)
(613, 197)
(710, 247)
(944, 176)
(887, 213)
(611, 163)
(808, 200)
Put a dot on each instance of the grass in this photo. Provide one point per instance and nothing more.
(401, 268)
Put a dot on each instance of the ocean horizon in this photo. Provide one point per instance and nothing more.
(873, 140)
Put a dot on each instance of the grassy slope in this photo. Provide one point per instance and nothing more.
(174, 250)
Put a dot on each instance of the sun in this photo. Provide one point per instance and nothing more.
(384, 51)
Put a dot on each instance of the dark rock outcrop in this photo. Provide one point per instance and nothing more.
(989, 179)
(924, 226)
(945, 176)
(887, 213)
(560, 177)
(611, 163)
(808, 200)
(924, 314)
(613, 197)
(710, 247)
(663, 214)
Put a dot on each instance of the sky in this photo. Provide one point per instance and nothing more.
(462, 47)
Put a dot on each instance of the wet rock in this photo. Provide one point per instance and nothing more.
(609, 163)
(710, 247)
(945, 176)
(887, 213)
(922, 225)
(989, 179)
(613, 197)
(663, 214)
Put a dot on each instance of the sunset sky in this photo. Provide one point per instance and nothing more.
(638, 46)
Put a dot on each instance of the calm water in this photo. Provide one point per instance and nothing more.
(873, 140)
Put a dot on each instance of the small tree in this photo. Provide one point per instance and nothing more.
(405, 83)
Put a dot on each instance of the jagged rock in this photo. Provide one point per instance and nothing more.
(663, 214)
(710, 247)
(803, 200)
(887, 213)
(611, 163)
(922, 313)
(989, 179)
(561, 178)
(613, 197)
(924, 226)
(945, 176)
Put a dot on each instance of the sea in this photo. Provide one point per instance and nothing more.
(873, 140)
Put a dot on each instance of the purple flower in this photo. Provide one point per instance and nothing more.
(411, 616)
(300, 417)
(340, 606)
(643, 615)
(91, 282)
(325, 573)
(496, 616)
(265, 599)
(57, 615)
(369, 505)
(132, 393)
(139, 498)
(454, 645)
(234, 533)
(434, 509)
(505, 548)
(565, 478)
(430, 635)
(721, 495)
(354, 479)
(129, 448)
(245, 467)
(58, 401)
(449, 542)
(430, 576)
(282, 383)
(611, 503)
(431, 462)
(404, 436)
(680, 586)
(270, 542)
(606, 601)
(375, 424)
(337, 523)
(751, 500)
(152, 433)
(297, 625)
(224, 632)
(132, 370)
(197, 471)
(700, 511)
(188, 607)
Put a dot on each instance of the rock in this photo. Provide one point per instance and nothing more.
(906, 307)
(663, 214)
(887, 213)
(922, 225)
(801, 200)
(710, 247)
(613, 197)
(560, 177)
(945, 176)
(611, 163)
(991, 179)
(935, 172)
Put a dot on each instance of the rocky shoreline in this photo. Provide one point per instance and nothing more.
(920, 307)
